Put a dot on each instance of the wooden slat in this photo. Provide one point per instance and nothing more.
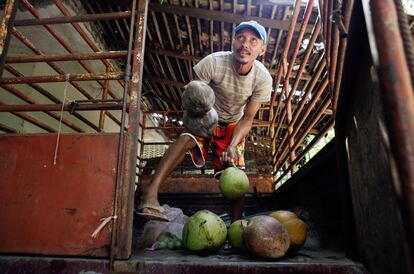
(211, 29)
(278, 39)
(157, 29)
(7, 129)
(220, 16)
(167, 27)
(32, 120)
(200, 34)
(222, 26)
(305, 76)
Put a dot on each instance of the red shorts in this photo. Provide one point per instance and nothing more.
(219, 142)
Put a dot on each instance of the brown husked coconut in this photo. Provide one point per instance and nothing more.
(297, 231)
(283, 215)
(295, 227)
(266, 237)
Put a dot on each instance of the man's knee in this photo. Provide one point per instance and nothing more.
(187, 141)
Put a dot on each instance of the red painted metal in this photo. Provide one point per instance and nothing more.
(54, 209)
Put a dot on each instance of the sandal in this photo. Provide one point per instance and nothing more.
(157, 213)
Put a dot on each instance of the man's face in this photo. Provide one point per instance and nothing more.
(247, 46)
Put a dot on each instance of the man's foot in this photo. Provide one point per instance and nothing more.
(152, 212)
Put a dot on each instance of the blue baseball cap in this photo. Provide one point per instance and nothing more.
(254, 26)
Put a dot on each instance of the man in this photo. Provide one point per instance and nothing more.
(240, 84)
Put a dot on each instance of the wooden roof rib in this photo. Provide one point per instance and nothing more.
(304, 56)
(182, 32)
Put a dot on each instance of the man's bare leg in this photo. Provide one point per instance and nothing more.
(172, 158)
(236, 209)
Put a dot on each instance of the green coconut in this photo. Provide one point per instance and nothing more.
(204, 232)
(234, 183)
(236, 233)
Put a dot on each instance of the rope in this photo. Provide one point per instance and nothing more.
(104, 222)
(60, 120)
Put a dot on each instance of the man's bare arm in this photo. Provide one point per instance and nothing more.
(242, 130)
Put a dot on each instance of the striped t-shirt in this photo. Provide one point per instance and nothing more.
(232, 90)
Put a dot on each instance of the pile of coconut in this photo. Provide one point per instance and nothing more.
(266, 236)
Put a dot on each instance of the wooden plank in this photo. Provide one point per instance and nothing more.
(365, 145)
(221, 16)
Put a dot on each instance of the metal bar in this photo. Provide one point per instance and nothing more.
(142, 144)
(309, 108)
(306, 131)
(63, 78)
(309, 90)
(157, 143)
(304, 62)
(104, 97)
(326, 128)
(283, 59)
(398, 97)
(293, 58)
(27, 99)
(127, 187)
(6, 25)
(288, 107)
(57, 107)
(297, 47)
(32, 47)
(334, 58)
(342, 49)
(31, 120)
(7, 129)
(67, 57)
(50, 97)
(292, 154)
(73, 19)
(59, 38)
(120, 195)
(83, 34)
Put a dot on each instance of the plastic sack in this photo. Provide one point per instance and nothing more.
(153, 229)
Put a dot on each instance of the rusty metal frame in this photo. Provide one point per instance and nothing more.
(328, 72)
(5, 30)
(131, 81)
(125, 205)
(398, 98)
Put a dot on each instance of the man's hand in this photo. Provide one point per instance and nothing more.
(229, 156)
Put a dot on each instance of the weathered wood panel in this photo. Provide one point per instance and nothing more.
(360, 129)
